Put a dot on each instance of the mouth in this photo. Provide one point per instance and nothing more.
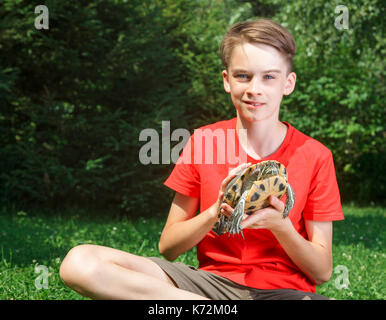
(254, 104)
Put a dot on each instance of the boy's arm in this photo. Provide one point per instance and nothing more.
(312, 256)
(183, 230)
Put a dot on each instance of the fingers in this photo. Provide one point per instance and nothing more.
(226, 210)
(232, 174)
(266, 218)
(249, 220)
(276, 204)
(237, 169)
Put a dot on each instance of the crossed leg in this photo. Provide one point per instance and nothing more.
(101, 272)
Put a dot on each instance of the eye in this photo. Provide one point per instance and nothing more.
(242, 76)
(268, 77)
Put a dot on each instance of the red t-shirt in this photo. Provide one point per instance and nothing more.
(259, 261)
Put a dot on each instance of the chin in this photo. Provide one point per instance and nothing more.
(250, 117)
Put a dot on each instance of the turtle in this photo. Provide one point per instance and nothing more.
(249, 191)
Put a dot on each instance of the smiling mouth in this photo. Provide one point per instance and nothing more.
(254, 104)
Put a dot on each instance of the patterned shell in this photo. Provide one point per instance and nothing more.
(249, 191)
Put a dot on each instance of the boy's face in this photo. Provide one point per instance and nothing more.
(257, 80)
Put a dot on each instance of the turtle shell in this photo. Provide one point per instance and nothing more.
(261, 190)
(257, 178)
(255, 184)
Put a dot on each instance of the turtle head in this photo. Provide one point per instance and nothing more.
(270, 168)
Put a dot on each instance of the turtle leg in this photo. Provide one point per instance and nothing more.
(221, 226)
(237, 215)
(290, 201)
(240, 217)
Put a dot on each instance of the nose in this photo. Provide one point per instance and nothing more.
(254, 87)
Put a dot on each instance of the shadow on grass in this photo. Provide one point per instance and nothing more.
(28, 238)
(25, 239)
(26, 243)
(368, 230)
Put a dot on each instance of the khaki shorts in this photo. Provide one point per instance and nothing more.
(214, 287)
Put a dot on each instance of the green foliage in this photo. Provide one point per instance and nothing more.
(339, 94)
(74, 98)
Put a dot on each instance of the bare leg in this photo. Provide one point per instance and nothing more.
(105, 273)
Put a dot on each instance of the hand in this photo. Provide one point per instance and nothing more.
(232, 173)
(270, 218)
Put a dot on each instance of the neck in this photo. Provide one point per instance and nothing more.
(263, 138)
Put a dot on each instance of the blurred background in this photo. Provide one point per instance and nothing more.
(74, 98)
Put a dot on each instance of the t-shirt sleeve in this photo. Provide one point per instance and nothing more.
(185, 177)
(323, 201)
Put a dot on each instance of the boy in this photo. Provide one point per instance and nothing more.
(279, 258)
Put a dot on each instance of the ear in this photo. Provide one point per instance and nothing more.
(290, 84)
(225, 78)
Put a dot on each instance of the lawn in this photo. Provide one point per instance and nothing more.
(34, 244)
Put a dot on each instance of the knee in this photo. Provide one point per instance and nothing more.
(80, 263)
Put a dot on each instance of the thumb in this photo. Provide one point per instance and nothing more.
(276, 203)
(220, 196)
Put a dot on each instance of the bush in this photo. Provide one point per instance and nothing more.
(74, 98)
(339, 94)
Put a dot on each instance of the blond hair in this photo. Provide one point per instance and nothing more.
(260, 31)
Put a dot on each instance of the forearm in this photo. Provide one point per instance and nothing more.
(312, 258)
(183, 231)
(182, 236)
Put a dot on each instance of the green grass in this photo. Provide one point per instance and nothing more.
(28, 240)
